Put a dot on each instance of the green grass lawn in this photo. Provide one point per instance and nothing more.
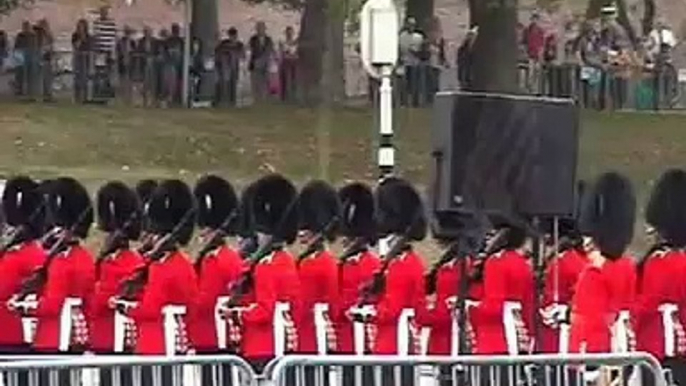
(96, 144)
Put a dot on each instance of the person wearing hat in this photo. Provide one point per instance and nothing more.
(400, 294)
(24, 210)
(502, 318)
(560, 280)
(70, 273)
(169, 287)
(607, 224)
(217, 266)
(660, 298)
(268, 213)
(120, 218)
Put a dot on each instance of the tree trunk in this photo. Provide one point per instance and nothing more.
(204, 27)
(422, 11)
(625, 22)
(495, 49)
(311, 47)
(649, 9)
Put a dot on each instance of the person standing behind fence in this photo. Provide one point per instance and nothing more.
(433, 57)
(230, 52)
(125, 49)
(105, 41)
(174, 46)
(81, 61)
(534, 39)
(45, 47)
(146, 68)
(465, 58)
(25, 59)
(411, 42)
(288, 56)
(261, 54)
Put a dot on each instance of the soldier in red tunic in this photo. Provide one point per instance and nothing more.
(218, 267)
(398, 290)
(655, 313)
(607, 222)
(319, 212)
(24, 210)
(357, 266)
(119, 216)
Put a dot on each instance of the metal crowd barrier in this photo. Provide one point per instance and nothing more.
(498, 370)
(191, 370)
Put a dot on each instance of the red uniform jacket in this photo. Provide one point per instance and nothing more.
(592, 314)
(319, 284)
(354, 274)
(661, 282)
(258, 329)
(16, 265)
(71, 275)
(508, 276)
(171, 281)
(560, 283)
(439, 316)
(113, 271)
(623, 279)
(218, 271)
(404, 289)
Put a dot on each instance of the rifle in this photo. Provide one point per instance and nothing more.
(17, 234)
(130, 288)
(317, 245)
(35, 283)
(217, 238)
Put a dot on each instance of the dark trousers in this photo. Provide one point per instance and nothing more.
(16, 377)
(366, 374)
(119, 376)
(158, 376)
(57, 377)
(676, 368)
(389, 375)
(217, 374)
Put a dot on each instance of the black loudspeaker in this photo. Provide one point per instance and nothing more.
(505, 154)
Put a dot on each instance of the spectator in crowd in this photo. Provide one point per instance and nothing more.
(166, 73)
(261, 54)
(661, 39)
(433, 60)
(104, 44)
(288, 58)
(410, 41)
(661, 42)
(534, 40)
(146, 66)
(4, 46)
(465, 58)
(81, 46)
(45, 47)
(25, 56)
(230, 53)
(126, 46)
(174, 47)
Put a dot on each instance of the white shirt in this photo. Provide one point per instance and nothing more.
(661, 36)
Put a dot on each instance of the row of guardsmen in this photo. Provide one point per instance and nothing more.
(143, 294)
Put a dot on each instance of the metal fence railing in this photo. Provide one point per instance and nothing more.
(191, 370)
(498, 370)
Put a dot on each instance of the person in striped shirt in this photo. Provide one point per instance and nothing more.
(104, 45)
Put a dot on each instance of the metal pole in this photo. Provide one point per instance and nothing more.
(185, 87)
(386, 156)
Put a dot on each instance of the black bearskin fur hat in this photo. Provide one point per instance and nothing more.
(23, 203)
(274, 207)
(119, 209)
(666, 209)
(69, 206)
(172, 205)
(609, 214)
(217, 203)
(144, 189)
(319, 209)
(358, 212)
(400, 209)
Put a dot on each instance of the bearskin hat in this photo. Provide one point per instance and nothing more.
(217, 203)
(358, 212)
(274, 207)
(400, 209)
(23, 203)
(319, 208)
(172, 206)
(609, 213)
(144, 189)
(119, 209)
(70, 206)
(666, 209)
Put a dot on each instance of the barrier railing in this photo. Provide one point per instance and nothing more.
(501, 370)
(190, 370)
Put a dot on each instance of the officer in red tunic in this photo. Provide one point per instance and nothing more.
(24, 210)
(319, 212)
(270, 213)
(399, 295)
(655, 313)
(607, 222)
(218, 267)
(356, 268)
